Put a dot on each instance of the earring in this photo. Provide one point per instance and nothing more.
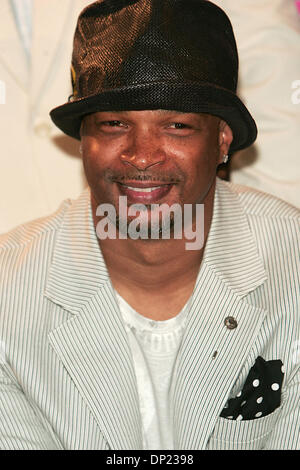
(80, 149)
(225, 158)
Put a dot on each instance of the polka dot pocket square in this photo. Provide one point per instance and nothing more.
(261, 393)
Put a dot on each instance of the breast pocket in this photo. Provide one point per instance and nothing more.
(242, 435)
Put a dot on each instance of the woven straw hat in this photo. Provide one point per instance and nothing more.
(155, 54)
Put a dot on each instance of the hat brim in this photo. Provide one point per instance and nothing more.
(187, 97)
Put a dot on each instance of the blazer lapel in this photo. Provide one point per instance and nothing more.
(92, 343)
(212, 355)
(12, 53)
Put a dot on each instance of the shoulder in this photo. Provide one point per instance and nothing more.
(31, 232)
(274, 223)
(259, 204)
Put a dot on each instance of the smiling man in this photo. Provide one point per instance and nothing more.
(111, 341)
(153, 157)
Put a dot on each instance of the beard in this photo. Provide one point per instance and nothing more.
(152, 223)
(167, 177)
(147, 226)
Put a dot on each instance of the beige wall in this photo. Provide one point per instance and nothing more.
(268, 38)
(39, 165)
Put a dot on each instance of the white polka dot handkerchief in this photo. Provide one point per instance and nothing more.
(261, 393)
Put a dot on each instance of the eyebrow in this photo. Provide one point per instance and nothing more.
(201, 116)
(161, 111)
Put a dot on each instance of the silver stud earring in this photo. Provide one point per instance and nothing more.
(225, 158)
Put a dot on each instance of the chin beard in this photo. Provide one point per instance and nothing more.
(159, 231)
(162, 222)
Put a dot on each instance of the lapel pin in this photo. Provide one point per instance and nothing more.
(230, 323)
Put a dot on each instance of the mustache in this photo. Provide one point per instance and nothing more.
(118, 177)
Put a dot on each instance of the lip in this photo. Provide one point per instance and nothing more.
(141, 197)
(143, 184)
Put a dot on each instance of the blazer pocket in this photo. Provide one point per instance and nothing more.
(242, 435)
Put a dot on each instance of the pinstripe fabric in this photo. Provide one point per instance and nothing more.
(66, 373)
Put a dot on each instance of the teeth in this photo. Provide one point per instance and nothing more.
(143, 190)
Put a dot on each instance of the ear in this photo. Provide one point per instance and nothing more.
(225, 139)
(82, 127)
(82, 133)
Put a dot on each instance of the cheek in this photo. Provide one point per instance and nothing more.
(197, 159)
(96, 158)
(199, 164)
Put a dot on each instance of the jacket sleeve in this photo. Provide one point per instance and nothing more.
(21, 428)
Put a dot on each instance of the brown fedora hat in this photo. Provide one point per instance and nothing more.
(155, 54)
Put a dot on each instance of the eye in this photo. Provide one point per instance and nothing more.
(114, 123)
(180, 129)
(179, 125)
(112, 126)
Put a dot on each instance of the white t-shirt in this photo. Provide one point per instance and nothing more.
(154, 346)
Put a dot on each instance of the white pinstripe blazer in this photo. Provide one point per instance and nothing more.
(66, 373)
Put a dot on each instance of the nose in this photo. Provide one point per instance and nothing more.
(143, 151)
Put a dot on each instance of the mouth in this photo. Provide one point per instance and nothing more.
(144, 192)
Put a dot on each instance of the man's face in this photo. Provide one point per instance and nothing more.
(152, 157)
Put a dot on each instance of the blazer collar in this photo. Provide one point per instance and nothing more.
(78, 269)
(231, 251)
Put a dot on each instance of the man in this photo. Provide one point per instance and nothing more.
(114, 339)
